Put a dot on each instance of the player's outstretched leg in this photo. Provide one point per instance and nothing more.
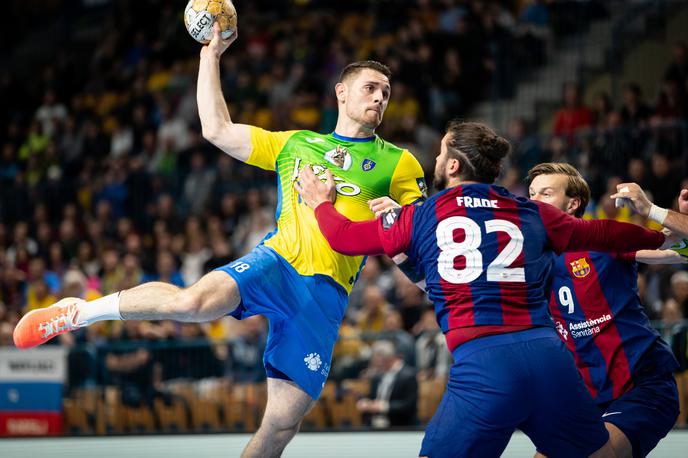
(213, 296)
(286, 407)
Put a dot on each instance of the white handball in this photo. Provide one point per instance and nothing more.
(200, 15)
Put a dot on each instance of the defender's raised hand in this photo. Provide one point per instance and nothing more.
(382, 204)
(635, 197)
(312, 190)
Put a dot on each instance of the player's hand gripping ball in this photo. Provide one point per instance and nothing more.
(200, 15)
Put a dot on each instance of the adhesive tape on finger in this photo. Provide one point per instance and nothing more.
(622, 201)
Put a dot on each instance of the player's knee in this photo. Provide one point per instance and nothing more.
(282, 423)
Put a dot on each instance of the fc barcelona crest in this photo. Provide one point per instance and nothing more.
(367, 165)
(340, 157)
(580, 268)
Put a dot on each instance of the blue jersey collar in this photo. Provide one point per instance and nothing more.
(353, 139)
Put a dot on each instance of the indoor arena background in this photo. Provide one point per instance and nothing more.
(106, 182)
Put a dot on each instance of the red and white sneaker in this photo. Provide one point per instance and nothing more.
(40, 325)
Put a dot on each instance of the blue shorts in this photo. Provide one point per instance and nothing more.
(304, 313)
(647, 412)
(523, 380)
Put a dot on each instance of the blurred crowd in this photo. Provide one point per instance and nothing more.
(106, 182)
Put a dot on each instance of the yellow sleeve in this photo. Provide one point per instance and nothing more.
(266, 146)
(408, 182)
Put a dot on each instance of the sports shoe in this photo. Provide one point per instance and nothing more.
(40, 325)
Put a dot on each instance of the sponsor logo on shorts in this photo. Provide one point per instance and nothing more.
(313, 361)
(607, 414)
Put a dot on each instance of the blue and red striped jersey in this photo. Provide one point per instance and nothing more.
(597, 311)
(487, 255)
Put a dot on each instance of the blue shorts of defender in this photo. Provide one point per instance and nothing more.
(523, 380)
(304, 314)
(647, 412)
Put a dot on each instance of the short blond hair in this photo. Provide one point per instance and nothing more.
(576, 186)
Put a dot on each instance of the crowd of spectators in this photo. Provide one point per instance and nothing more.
(106, 182)
(643, 139)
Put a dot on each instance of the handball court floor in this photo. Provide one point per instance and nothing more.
(304, 445)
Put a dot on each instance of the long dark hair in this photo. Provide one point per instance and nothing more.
(478, 149)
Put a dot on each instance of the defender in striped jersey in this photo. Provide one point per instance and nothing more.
(487, 258)
(625, 364)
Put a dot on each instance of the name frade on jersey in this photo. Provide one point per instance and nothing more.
(476, 202)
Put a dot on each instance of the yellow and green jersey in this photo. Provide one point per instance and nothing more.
(363, 169)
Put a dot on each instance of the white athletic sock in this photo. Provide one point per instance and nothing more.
(105, 308)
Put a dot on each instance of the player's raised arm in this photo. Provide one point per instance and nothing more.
(218, 128)
(567, 233)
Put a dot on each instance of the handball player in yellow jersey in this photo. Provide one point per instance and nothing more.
(292, 277)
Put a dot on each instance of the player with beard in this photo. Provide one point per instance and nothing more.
(487, 257)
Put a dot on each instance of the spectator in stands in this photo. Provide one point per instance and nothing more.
(601, 107)
(526, 151)
(112, 273)
(350, 353)
(636, 172)
(432, 355)
(374, 310)
(131, 368)
(635, 111)
(677, 304)
(573, 115)
(409, 300)
(678, 69)
(221, 254)
(74, 284)
(166, 270)
(198, 185)
(664, 180)
(245, 360)
(393, 331)
(671, 104)
(38, 295)
(253, 226)
(194, 258)
(192, 357)
(393, 390)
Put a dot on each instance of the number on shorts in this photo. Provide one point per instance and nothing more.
(566, 298)
(498, 269)
(239, 266)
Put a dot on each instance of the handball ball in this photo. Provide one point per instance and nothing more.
(200, 15)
